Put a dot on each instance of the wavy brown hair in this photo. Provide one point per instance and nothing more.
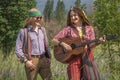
(81, 15)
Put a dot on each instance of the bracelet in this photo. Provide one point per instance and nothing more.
(25, 60)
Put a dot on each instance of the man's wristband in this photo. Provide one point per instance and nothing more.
(23, 59)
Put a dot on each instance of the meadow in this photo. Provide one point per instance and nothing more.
(12, 69)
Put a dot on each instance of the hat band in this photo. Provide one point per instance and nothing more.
(32, 14)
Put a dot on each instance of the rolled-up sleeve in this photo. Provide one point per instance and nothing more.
(19, 43)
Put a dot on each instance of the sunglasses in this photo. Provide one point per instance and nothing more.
(37, 18)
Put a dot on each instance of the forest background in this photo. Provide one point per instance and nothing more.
(105, 16)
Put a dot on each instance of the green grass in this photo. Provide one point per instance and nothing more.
(12, 69)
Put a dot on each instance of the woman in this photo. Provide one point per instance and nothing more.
(32, 45)
(77, 26)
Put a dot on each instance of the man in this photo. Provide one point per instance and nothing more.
(32, 47)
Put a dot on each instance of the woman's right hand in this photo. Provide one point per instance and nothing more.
(66, 46)
(30, 65)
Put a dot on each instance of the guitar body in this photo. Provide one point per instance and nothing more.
(64, 56)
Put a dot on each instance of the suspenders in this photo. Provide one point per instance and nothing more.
(27, 46)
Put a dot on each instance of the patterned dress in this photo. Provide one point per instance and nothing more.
(75, 65)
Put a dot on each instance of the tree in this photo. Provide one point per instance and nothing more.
(107, 16)
(78, 4)
(60, 11)
(12, 15)
(48, 11)
(107, 20)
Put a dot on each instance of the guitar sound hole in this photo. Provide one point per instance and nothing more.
(73, 46)
(64, 51)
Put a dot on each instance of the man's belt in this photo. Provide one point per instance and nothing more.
(38, 56)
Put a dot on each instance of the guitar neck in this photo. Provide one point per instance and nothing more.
(83, 43)
(109, 37)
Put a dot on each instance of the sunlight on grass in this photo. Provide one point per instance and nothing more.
(12, 69)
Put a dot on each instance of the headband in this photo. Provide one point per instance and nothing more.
(32, 14)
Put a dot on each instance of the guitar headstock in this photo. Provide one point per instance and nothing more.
(109, 37)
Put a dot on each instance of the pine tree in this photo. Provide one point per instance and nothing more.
(60, 11)
(78, 4)
(48, 11)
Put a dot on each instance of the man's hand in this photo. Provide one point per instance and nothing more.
(30, 65)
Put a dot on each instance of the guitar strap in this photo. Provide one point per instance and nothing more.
(89, 67)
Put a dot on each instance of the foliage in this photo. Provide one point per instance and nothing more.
(12, 15)
(107, 16)
(108, 60)
(106, 20)
(48, 10)
(78, 4)
(16, 71)
(60, 11)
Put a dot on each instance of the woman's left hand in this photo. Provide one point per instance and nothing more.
(102, 39)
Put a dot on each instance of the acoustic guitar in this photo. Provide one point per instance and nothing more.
(65, 56)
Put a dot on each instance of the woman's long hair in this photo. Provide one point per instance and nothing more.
(28, 21)
(81, 15)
